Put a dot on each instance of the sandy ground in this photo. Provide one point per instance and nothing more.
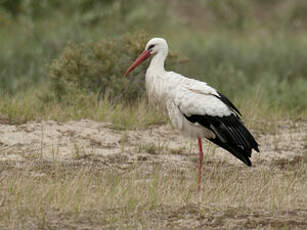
(76, 140)
(53, 140)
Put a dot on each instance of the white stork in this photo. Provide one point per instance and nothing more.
(194, 108)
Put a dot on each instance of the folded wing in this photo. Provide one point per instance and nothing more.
(215, 112)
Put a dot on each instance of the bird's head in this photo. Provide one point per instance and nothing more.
(153, 47)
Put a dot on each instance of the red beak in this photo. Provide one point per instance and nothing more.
(143, 56)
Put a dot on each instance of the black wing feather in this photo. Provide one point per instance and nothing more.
(231, 134)
(237, 152)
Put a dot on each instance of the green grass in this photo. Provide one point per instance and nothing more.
(29, 106)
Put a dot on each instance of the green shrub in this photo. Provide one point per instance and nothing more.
(99, 68)
(12, 6)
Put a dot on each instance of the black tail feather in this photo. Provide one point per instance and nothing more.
(231, 134)
(236, 151)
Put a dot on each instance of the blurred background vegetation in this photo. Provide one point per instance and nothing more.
(245, 48)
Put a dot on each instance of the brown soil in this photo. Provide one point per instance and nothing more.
(74, 143)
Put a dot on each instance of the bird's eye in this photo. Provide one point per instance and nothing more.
(150, 47)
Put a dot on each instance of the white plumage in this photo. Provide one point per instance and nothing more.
(194, 108)
(179, 94)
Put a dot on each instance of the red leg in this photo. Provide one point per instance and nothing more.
(201, 155)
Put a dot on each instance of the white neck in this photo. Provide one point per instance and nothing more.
(157, 62)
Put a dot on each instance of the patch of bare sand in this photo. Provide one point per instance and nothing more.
(72, 143)
(53, 140)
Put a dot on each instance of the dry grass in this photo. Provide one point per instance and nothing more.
(133, 190)
(94, 193)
